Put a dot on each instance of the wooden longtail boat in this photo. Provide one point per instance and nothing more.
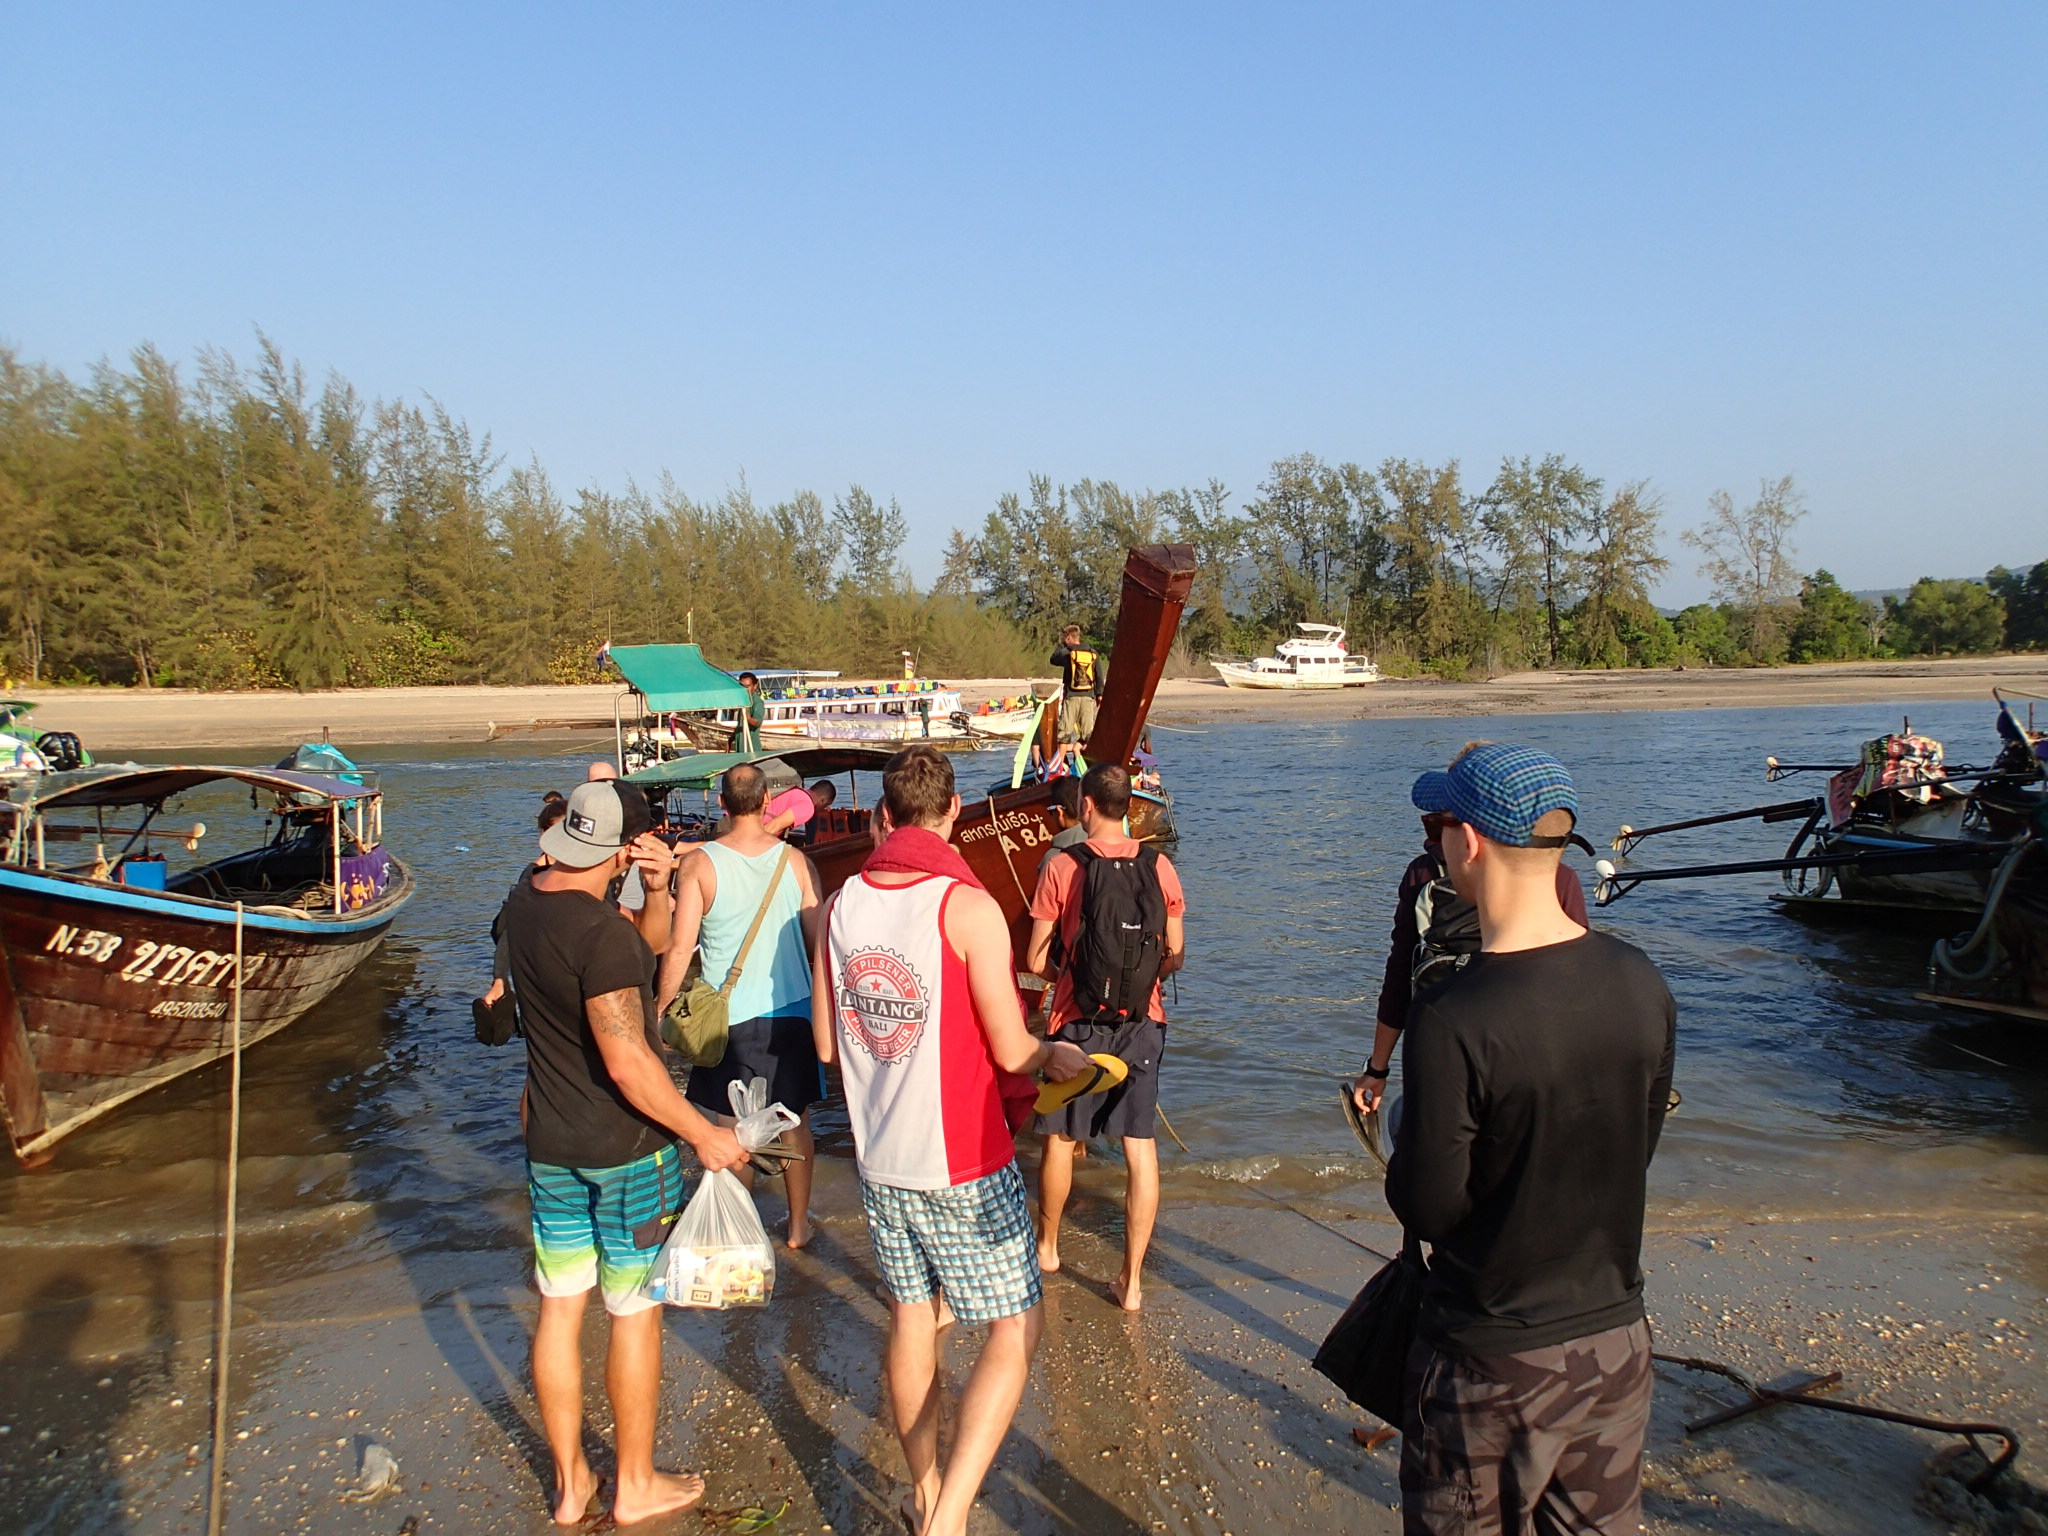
(1004, 836)
(117, 974)
(1896, 834)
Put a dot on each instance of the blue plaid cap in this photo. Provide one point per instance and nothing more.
(1431, 792)
(1501, 791)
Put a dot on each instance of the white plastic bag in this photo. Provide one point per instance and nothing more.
(757, 1121)
(718, 1255)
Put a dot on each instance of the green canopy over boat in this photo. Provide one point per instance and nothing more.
(677, 677)
(700, 770)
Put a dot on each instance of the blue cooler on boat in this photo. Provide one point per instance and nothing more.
(144, 871)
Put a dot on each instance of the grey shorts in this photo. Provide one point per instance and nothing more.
(1077, 717)
(972, 1241)
(1549, 1440)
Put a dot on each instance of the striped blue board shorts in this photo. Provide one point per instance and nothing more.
(584, 1221)
(972, 1241)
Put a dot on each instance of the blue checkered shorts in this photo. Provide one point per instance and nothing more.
(973, 1241)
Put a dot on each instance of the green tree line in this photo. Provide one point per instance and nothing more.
(243, 530)
(232, 526)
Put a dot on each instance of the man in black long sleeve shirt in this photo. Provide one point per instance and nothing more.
(1535, 1084)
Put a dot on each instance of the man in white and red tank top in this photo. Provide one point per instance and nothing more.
(915, 997)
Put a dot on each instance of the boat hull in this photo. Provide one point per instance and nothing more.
(107, 992)
(1150, 817)
(2023, 932)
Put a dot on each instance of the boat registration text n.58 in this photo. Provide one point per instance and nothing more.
(168, 965)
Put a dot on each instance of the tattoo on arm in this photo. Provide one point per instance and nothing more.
(617, 1014)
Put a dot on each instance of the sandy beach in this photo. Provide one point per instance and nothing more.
(1199, 1415)
(142, 719)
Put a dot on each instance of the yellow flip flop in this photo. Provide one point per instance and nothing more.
(1109, 1071)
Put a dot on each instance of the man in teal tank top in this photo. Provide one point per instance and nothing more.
(720, 887)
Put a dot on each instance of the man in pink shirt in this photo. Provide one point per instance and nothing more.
(792, 810)
(1092, 1006)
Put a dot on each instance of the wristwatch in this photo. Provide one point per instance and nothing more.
(1379, 1076)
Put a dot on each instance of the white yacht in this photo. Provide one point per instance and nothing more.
(1316, 658)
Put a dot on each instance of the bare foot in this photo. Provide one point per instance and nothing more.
(1049, 1257)
(669, 1492)
(946, 1320)
(912, 1510)
(574, 1494)
(799, 1233)
(1130, 1297)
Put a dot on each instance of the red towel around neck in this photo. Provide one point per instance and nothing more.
(921, 851)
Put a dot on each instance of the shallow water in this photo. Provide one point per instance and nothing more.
(1813, 1081)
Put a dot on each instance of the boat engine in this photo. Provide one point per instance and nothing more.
(61, 750)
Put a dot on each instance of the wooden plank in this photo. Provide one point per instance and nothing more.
(21, 1086)
(1985, 1005)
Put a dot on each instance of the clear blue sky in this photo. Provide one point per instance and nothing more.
(933, 249)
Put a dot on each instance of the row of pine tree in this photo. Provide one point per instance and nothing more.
(225, 526)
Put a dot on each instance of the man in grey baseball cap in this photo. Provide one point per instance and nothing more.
(646, 892)
(603, 820)
(602, 1122)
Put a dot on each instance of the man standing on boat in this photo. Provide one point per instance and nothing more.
(602, 1124)
(724, 888)
(1107, 887)
(757, 708)
(1536, 1081)
(1080, 683)
(915, 995)
(792, 810)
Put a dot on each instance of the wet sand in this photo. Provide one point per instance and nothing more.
(132, 719)
(1200, 1415)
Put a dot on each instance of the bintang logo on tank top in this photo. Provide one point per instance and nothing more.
(883, 1003)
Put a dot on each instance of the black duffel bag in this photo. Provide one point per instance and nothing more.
(1366, 1353)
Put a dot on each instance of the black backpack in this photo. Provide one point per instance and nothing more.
(1447, 934)
(1121, 943)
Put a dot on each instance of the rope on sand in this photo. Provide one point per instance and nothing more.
(1314, 1221)
(216, 1500)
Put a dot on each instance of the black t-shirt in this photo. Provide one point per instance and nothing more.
(1534, 1085)
(1080, 670)
(567, 947)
